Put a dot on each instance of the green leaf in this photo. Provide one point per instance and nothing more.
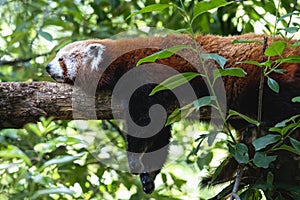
(247, 41)
(248, 119)
(14, 152)
(46, 35)
(59, 190)
(290, 59)
(180, 113)
(296, 99)
(289, 148)
(150, 8)
(264, 141)
(262, 160)
(232, 71)
(175, 81)
(205, 6)
(219, 169)
(62, 160)
(290, 29)
(296, 44)
(280, 71)
(252, 63)
(166, 53)
(204, 160)
(203, 101)
(285, 122)
(276, 48)
(219, 59)
(295, 144)
(239, 152)
(273, 85)
(288, 15)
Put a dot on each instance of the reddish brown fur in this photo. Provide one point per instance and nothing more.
(236, 88)
(242, 93)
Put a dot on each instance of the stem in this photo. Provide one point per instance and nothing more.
(261, 89)
(210, 84)
(238, 178)
(290, 19)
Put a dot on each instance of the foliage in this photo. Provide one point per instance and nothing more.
(50, 160)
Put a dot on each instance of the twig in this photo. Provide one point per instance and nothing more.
(261, 87)
(115, 126)
(238, 178)
(20, 60)
(290, 19)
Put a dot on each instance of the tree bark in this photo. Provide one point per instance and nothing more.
(21, 103)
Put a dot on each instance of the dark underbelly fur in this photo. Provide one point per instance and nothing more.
(138, 148)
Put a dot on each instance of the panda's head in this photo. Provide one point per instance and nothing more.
(68, 61)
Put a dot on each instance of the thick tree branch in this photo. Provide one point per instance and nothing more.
(21, 103)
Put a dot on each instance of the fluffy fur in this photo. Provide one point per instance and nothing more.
(106, 61)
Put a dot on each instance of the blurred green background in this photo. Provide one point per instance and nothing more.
(50, 159)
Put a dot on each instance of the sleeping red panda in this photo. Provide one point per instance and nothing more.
(100, 64)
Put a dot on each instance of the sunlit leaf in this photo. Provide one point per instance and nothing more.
(248, 119)
(246, 41)
(276, 48)
(273, 85)
(62, 159)
(263, 142)
(150, 8)
(166, 53)
(59, 190)
(174, 81)
(14, 152)
(232, 71)
(205, 6)
(262, 160)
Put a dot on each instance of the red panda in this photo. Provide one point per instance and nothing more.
(103, 63)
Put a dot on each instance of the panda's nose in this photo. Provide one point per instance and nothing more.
(48, 68)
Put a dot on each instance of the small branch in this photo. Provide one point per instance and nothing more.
(115, 126)
(290, 19)
(238, 179)
(20, 60)
(261, 87)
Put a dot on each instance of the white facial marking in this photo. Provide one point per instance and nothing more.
(67, 61)
(94, 55)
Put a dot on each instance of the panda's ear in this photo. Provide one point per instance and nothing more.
(94, 55)
(94, 50)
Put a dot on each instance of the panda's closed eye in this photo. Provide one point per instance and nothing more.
(93, 47)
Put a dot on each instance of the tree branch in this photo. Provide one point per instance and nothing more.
(21, 103)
